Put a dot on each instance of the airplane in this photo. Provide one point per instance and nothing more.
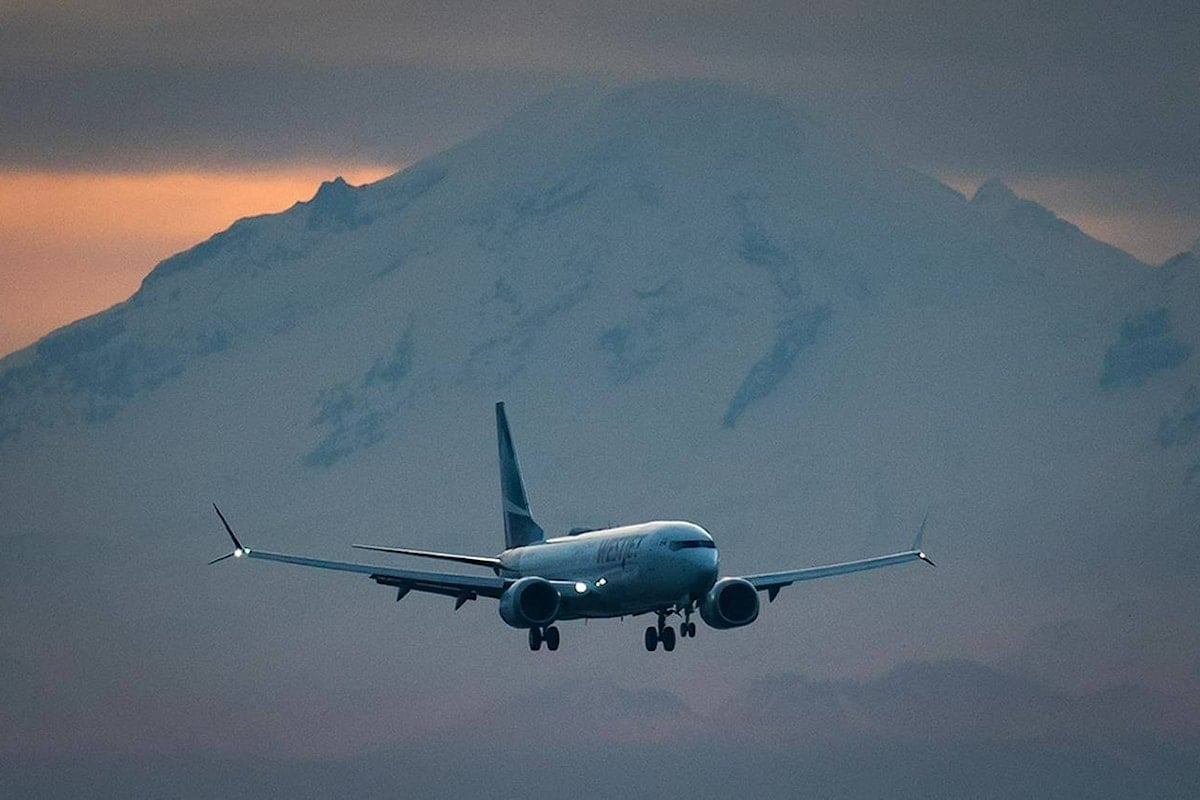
(665, 568)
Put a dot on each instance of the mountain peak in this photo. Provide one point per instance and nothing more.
(1186, 258)
(995, 193)
(335, 205)
(335, 186)
(1000, 203)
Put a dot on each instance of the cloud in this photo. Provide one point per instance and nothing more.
(1130, 643)
(945, 703)
(924, 729)
(154, 117)
(993, 86)
(598, 712)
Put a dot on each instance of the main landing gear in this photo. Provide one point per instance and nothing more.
(549, 635)
(664, 634)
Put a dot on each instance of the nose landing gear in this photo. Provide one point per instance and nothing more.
(687, 628)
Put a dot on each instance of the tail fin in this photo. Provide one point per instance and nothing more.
(519, 527)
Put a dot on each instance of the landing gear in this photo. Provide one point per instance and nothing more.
(687, 628)
(549, 635)
(662, 632)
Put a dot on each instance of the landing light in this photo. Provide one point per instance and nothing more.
(238, 552)
(581, 587)
(602, 581)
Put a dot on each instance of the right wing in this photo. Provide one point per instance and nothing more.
(467, 587)
(460, 587)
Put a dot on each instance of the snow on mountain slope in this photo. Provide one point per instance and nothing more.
(636, 239)
(687, 201)
(699, 303)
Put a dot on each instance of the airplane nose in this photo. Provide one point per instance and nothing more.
(708, 563)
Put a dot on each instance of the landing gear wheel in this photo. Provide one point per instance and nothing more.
(551, 637)
(535, 639)
(651, 639)
(691, 630)
(668, 638)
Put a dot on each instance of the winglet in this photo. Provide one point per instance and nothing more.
(238, 549)
(916, 540)
(916, 545)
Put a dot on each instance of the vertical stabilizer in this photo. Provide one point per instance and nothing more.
(519, 527)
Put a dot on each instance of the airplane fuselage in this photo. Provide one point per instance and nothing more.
(628, 570)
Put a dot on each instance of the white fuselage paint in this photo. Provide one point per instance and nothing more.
(632, 569)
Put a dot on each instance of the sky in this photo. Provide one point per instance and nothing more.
(1088, 108)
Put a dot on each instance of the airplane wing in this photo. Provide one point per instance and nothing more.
(772, 582)
(464, 587)
(460, 587)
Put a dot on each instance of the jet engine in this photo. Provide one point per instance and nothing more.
(730, 603)
(529, 603)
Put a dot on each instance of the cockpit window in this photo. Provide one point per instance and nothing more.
(680, 544)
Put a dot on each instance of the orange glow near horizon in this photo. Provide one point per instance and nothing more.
(73, 244)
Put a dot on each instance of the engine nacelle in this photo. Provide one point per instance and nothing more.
(529, 603)
(730, 603)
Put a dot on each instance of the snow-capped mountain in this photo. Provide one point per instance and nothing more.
(681, 252)
(649, 214)
(698, 303)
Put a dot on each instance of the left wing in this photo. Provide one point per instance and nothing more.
(772, 582)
